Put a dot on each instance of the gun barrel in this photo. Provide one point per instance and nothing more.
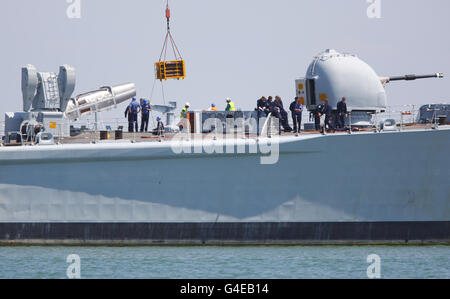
(415, 77)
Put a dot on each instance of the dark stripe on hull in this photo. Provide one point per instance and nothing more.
(294, 233)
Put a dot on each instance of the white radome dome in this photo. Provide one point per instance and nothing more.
(344, 75)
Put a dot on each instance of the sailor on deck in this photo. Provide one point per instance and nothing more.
(159, 131)
(145, 114)
(132, 113)
(317, 114)
(262, 106)
(296, 108)
(278, 111)
(328, 110)
(270, 101)
(341, 113)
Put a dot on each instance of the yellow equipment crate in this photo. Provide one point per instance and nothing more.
(170, 70)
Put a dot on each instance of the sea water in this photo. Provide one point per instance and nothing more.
(257, 262)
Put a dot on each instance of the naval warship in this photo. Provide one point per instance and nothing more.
(377, 182)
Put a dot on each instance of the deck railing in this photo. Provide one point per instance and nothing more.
(402, 114)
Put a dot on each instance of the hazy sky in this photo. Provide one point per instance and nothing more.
(233, 48)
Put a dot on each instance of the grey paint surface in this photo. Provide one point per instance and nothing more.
(360, 177)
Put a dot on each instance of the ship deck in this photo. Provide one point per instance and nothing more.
(88, 137)
(91, 136)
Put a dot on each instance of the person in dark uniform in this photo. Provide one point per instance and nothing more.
(284, 114)
(341, 113)
(317, 114)
(273, 108)
(275, 111)
(145, 114)
(132, 113)
(280, 113)
(328, 110)
(159, 131)
(263, 110)
(270, 101)
(296, 108)
(128, 116)
(262, 106)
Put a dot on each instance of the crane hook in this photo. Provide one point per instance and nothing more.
(168, 13)
(168, 16)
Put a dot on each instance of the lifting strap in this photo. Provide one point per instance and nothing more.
(173, 69)
(170, 39)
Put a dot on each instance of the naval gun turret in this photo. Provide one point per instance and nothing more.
(48, 103)
(333, 75)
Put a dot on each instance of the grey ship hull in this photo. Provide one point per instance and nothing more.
(237, 233)
(363, 188)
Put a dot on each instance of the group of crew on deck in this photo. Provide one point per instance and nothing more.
(327, 110)
(144, 108)
(266, 106)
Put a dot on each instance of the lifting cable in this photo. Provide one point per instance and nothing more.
(168, 38)
(165, 69)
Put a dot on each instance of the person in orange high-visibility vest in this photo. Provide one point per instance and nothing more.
(213, 108)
